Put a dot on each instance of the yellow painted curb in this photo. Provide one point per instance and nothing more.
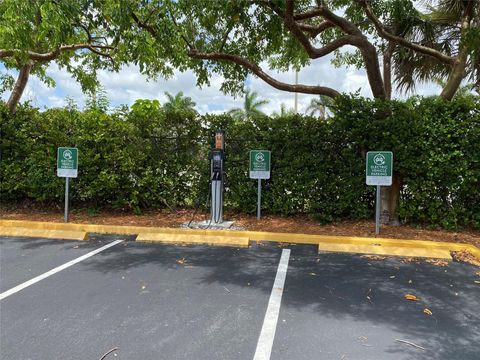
(386, 250)
(118, 229)
(234, 241)
(43, 233)
(252, 235)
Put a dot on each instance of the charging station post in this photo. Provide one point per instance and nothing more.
(217, 157)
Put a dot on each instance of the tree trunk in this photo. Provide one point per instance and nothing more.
(19, 87)
(387, 68)
(455, 78)
(390, 199)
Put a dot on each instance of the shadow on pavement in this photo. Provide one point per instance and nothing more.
(339, 286)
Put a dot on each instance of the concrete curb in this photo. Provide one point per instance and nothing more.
(252, 235)
(43, 233)
(232, 241)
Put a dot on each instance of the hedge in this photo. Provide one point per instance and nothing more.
(144, 157)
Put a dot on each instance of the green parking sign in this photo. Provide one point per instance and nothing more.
(260, 164)
(379, 168)
(67, 162)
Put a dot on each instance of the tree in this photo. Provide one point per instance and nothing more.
(232, 38)
(97, 100)
(251, 107)
(75, 34)
(179, 103)
(284, 111)
(441, 42)
(319, 106)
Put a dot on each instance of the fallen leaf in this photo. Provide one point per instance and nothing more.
(465, 256)
(373, 257)
(410, 260)
(437, 262)
(76, 247)
(477, 273)
(181, 261)
(392, 277)
(428, 312)
(411, 297)
(476, 282)
(313, 274)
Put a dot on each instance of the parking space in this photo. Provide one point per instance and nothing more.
(350, 307)
(197, 302)
(23, 258)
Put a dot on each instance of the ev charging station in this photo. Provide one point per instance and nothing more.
(217, 158)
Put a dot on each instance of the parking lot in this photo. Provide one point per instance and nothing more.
(63, 300)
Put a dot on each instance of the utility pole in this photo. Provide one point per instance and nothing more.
(296, 94)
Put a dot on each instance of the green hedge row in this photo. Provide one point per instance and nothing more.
(144, 157)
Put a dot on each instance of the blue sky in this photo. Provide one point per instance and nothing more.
(129, 85)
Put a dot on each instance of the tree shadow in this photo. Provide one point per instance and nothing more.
(340, 287)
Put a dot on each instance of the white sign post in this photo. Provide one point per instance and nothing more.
(379, 173)
(67, 167)
(260, 169)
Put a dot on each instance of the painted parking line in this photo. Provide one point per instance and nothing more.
(45, 275)
(267, 334)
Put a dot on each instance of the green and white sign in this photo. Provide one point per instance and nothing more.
(260, 164)
(67, 162)
(379, 168)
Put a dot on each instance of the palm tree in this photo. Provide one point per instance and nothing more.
(284, 111)
(319, 106)
(250, 107)
(441, 27)
(179, 103)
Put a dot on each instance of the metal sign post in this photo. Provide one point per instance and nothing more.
(67, 167)
(259, 198)
(65, 218)
(379, 169)
(377, 211)
(259, 169)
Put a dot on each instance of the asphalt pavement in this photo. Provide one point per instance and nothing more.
(155, 301)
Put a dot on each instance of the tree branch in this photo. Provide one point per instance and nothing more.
(354, 37)
(143, 26)
(296, 30)
(384, 33)
(346, 26)
(305, 89)
(315, 30)
(308, 14)
(32, 55)
(225, 37)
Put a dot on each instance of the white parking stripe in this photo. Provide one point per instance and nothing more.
(56, 270)
(265, 341)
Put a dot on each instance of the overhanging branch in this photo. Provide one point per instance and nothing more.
(257, 70)
(48, 56)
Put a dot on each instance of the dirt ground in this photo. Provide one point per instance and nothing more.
(295, 224)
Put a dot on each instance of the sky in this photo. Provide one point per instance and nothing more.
(129, 84)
